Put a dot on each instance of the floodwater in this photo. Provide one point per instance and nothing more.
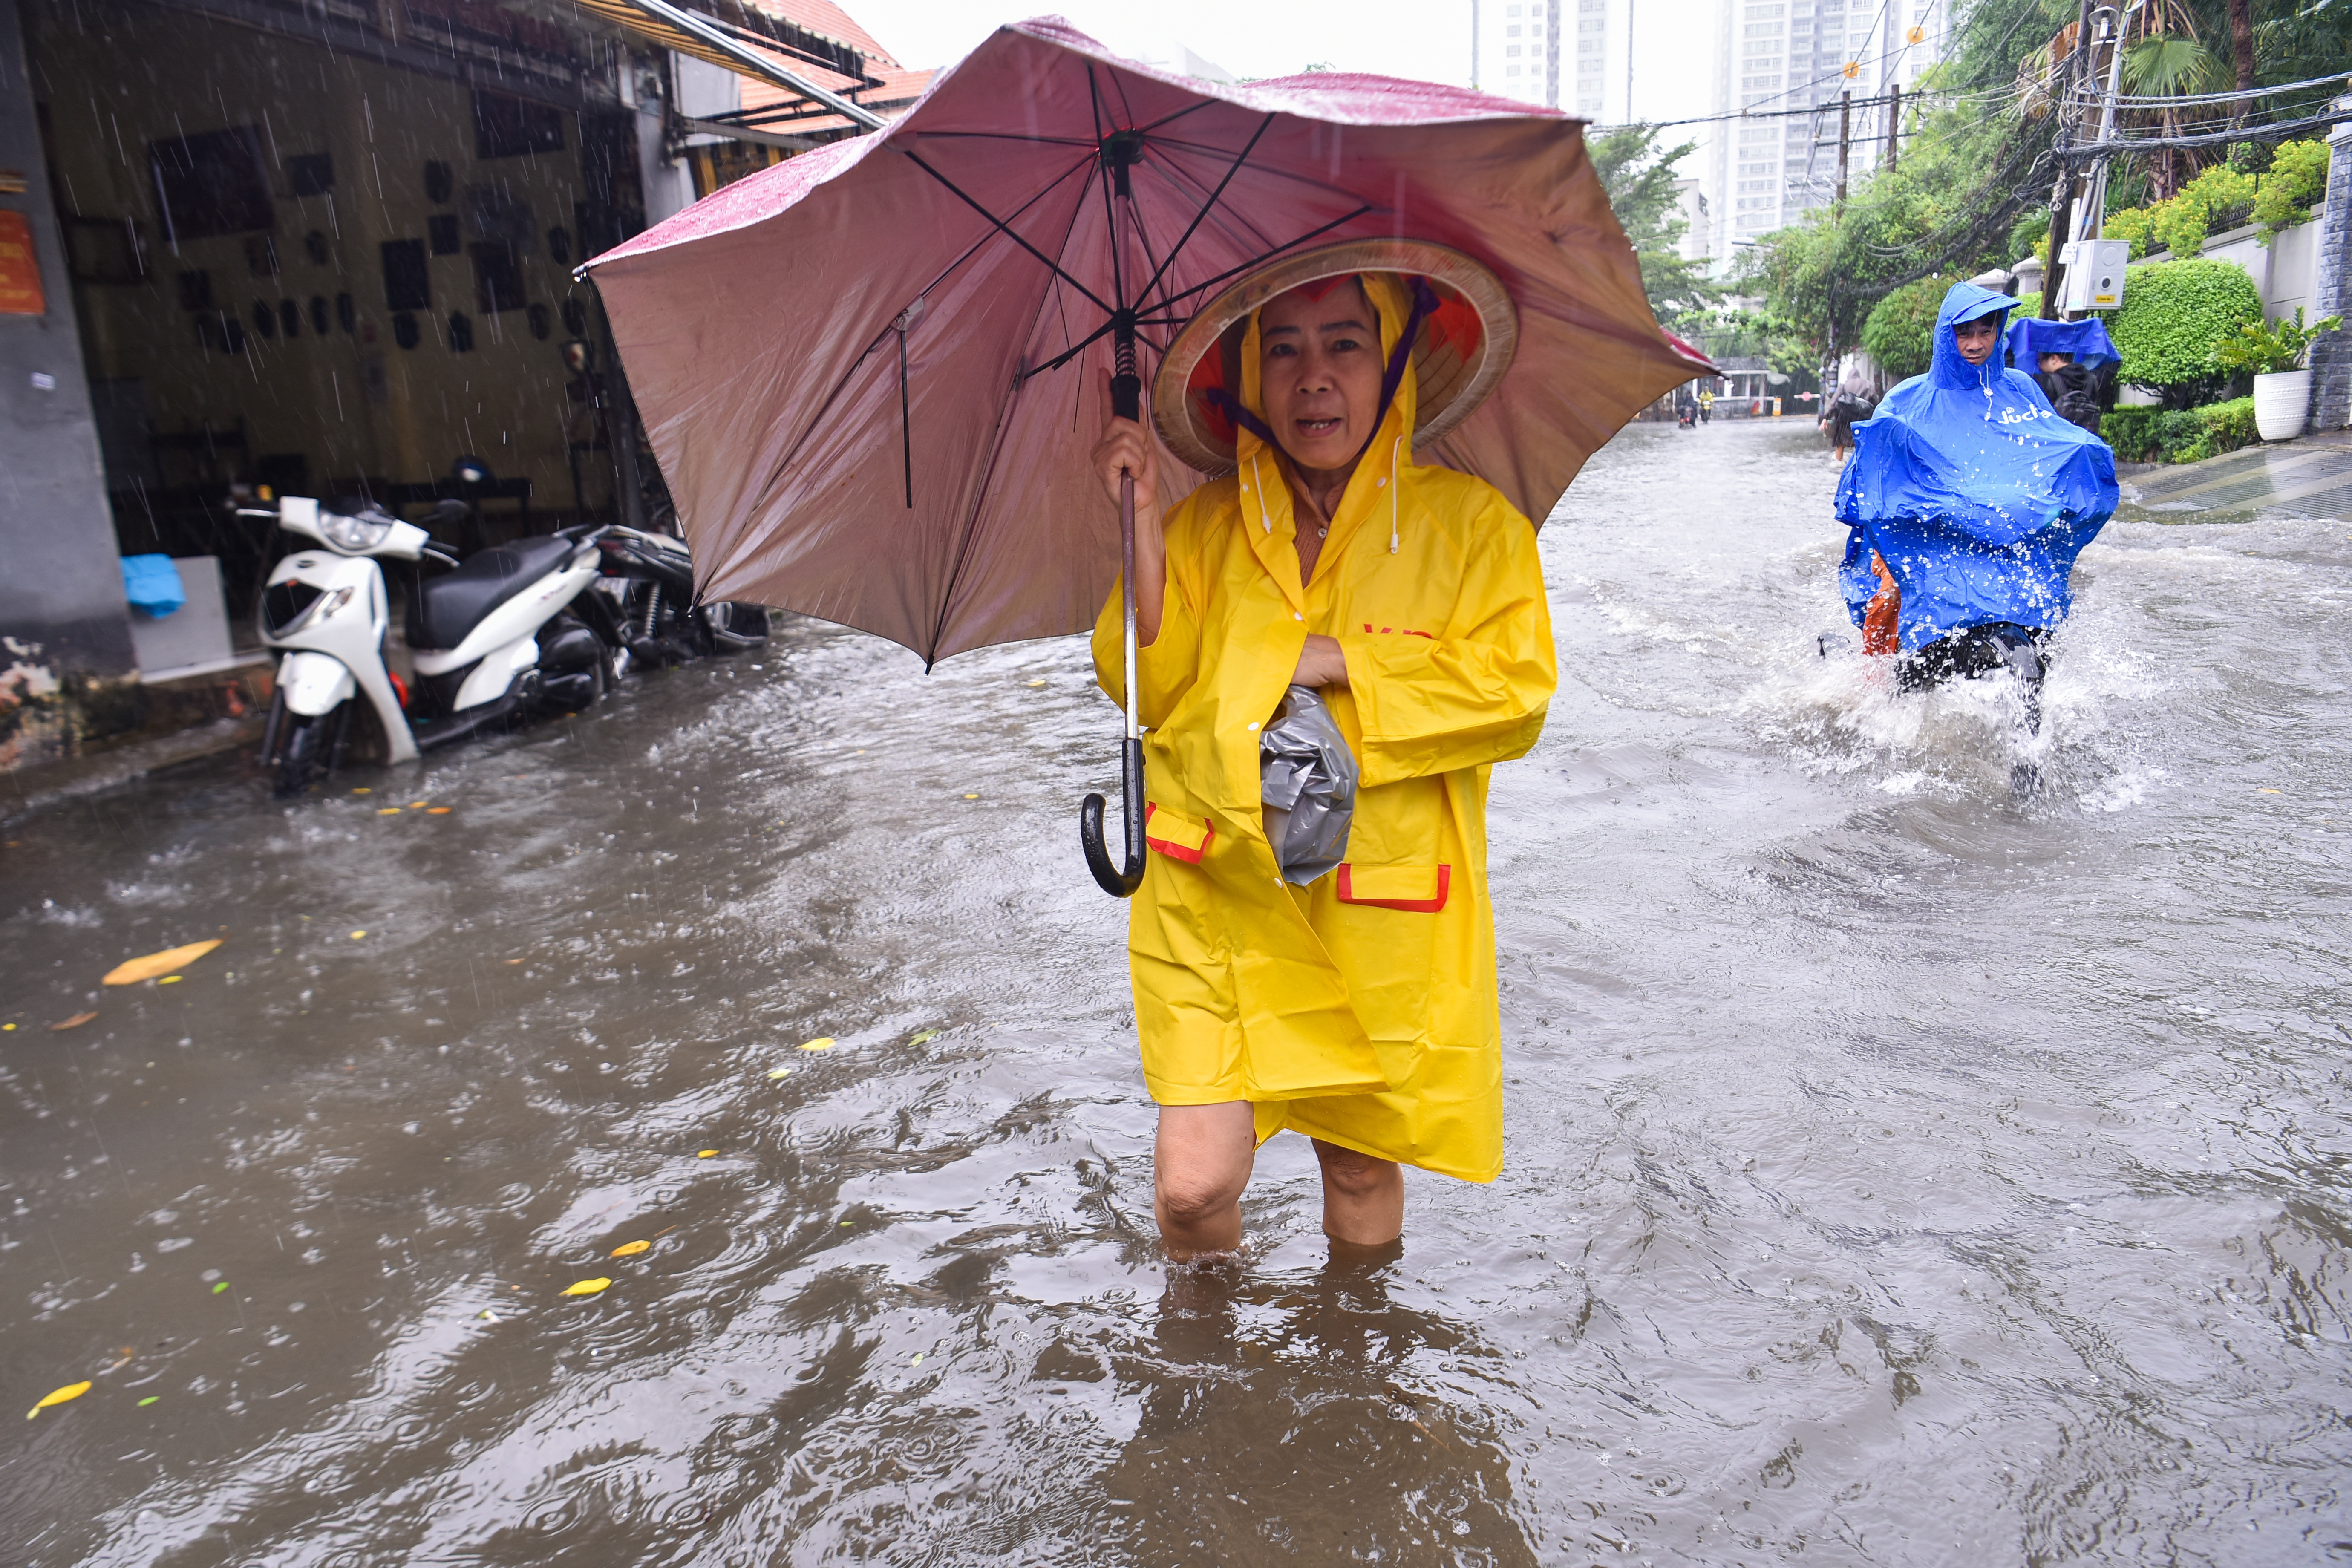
(1900, 1170)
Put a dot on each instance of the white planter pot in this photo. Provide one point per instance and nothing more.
(2280, 400)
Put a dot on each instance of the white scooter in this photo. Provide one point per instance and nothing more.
(490, 642)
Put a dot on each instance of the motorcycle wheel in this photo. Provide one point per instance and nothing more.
(302, 753)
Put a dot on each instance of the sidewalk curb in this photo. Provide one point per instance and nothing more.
(25, 792)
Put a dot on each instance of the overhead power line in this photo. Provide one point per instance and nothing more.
(2235, 97)
(2277, 131)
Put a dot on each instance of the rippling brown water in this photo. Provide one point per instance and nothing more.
(1900, 1171)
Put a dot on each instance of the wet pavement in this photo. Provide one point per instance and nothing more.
(1900, 1170)
(2308, 476)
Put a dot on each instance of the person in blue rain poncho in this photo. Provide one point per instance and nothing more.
(1976, 497)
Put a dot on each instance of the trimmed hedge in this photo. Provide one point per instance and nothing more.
(2173, 314)
(2179, 435)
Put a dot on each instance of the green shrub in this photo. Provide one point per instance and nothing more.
(1900, 332)
(2133, 224)
(2179, 435)
(2132, 433)
(2262, 349)
(2226, 196)
(2296, 183)
(2174, 314)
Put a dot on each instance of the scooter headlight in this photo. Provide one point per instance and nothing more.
(355, 535)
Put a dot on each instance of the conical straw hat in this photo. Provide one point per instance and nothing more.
(1461, 352)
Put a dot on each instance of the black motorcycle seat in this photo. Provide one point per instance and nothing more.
(444, 609)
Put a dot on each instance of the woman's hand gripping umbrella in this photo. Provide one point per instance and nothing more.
(867, 372)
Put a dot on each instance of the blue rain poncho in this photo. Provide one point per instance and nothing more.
(2086, 341)
(1974, 491)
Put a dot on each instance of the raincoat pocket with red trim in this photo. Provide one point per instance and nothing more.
(1175, 835)
(1415, 889)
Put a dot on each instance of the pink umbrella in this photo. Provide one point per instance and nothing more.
(868, 373)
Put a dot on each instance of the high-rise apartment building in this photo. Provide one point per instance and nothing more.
(1563, 54)
(1515, 48)
(1783, 54)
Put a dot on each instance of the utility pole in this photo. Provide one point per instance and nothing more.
(1894, 123)
(1473, 45)
(2067, 186)
(2094, 204)
(1845, 136)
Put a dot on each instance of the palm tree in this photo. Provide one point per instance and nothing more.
(2167, 59)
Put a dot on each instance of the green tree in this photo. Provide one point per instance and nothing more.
(1900, 332)
(1640, 179)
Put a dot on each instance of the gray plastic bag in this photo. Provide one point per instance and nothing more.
(1307, 783)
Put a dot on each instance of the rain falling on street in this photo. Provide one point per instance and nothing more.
(1901, 1167)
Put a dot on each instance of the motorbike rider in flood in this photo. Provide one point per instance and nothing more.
(1976, 496)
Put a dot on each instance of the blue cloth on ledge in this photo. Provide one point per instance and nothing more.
(152, 582)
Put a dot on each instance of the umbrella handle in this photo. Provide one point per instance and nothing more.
(1118, 882)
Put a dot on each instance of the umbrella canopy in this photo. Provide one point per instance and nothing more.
(870, 372)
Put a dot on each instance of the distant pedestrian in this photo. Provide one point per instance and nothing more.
(1849, 407)
(2072, 390)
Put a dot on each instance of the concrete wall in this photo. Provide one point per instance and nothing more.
(62, 614)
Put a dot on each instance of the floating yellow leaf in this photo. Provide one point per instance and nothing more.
(924, 1038)
(821, 1043)
(171, 980)
(436, 811)
(416, 806)
(631, 1248)
(387, 811)
(971, 798)
(70, 1391)
(775, 1073)
(585, 1287)
(357, 935)
(362, 792)
(705, 1153)
(8, 1025)
(155, 963)
(75, 1022)
(2273, 791)
(1036, 683)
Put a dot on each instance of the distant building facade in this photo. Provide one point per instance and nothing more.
(1782, 55)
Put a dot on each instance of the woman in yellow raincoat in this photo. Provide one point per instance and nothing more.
(1360, 1010)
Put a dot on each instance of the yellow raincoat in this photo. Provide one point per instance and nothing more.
(1360, 1010)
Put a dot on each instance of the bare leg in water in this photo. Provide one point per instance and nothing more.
(1201, 1163)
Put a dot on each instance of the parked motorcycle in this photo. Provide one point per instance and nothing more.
(649, 578)
(505, 636)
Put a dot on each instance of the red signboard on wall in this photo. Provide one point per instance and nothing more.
(20, 269)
